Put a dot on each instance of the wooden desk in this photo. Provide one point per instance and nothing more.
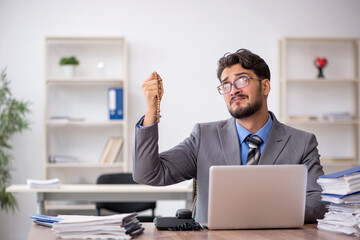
(105, 193)
(308, 232)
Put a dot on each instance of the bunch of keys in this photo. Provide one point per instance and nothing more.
(160, 89)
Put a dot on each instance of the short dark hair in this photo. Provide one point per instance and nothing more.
(247, 60)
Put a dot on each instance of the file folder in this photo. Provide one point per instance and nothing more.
(342, 173)
(116, 103)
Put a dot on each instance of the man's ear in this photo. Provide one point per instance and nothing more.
(266, 86)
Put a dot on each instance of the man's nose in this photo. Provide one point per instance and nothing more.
(234, 90)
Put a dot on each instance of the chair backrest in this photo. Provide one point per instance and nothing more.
(116, 178)
(122, 207)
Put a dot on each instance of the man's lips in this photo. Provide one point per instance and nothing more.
(238, 98)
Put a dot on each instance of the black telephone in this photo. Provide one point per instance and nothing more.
(182, 221)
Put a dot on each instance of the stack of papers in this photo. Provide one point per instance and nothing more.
(66, 118)
(342, 191)
(62, 159)
(51, 183)
(338, 116)
(342, 219)
(119, 226)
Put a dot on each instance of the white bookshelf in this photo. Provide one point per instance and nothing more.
(84, 97)
(306, 99)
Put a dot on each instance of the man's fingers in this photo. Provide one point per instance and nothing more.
(150, 86)
(150, 77)
(150, 89)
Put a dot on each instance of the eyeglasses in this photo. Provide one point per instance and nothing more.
(241, 82)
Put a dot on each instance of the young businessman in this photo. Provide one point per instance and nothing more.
(245, 85)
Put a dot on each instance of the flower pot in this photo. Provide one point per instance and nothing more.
(68, 70)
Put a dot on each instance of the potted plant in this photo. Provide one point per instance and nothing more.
(13, 119)
(68, 65)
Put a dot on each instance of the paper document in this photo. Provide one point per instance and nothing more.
(118, 226)
(51, 183)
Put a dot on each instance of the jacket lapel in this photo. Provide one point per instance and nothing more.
(276, 142)
(229, 141)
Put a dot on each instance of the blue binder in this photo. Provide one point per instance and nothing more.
(45, 218)
(116, 103)
(339, 195)
(342, 173)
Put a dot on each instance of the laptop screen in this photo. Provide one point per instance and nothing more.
(257, 196)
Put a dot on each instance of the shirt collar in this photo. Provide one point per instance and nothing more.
(263, 132)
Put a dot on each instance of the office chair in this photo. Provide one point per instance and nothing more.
(124, 207)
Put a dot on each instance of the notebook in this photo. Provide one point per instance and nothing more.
(256, 197)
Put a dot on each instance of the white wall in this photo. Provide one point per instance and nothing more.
(181, 39)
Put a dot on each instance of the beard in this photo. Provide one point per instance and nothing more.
(247, 111)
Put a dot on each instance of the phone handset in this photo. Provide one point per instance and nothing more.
(183, 214)
(181, 222)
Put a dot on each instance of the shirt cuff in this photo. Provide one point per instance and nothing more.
(141, 124)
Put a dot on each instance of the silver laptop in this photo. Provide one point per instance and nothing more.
(262, 196)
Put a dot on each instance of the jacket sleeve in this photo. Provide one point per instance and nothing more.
(169, 167)
(314, 209)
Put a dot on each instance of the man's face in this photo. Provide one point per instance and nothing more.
(245, 101)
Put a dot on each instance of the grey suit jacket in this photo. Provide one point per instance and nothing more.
(217, 143)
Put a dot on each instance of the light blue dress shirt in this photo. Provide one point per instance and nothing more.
(263, 133)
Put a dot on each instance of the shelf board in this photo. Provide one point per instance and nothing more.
(351, 162)
(320, 39)
(320, 81)
(83, 165)
(339, 122)
(67, 40)
(98, 80)
(62, 123)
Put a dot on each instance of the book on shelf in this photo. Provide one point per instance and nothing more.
(115, 150)
(303, 117)
(112, 150)
(342, 190)
(105, 153)
(62, 159)
(116, 103)
(66, 119)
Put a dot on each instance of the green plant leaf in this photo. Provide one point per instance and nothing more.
(69, 61)
(8, 200)
(13, 119)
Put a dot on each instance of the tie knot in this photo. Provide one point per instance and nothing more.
(254, 141)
